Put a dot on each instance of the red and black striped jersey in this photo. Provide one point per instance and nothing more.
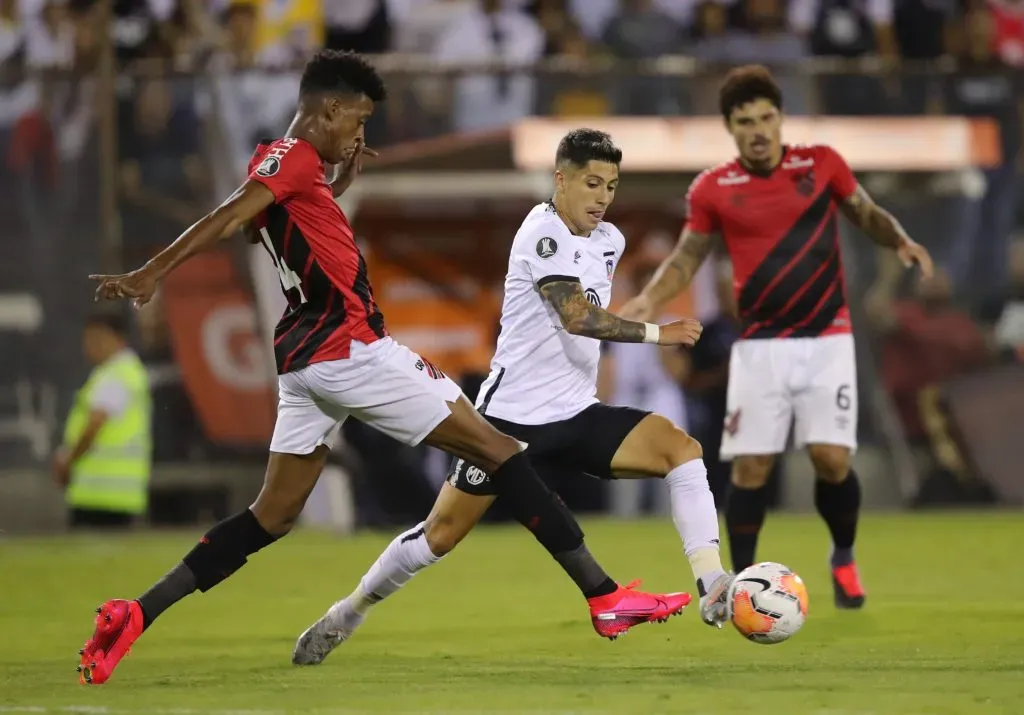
(781, 231)
(323, 274)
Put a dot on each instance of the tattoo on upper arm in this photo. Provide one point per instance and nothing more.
(581, 317)
(872, 219)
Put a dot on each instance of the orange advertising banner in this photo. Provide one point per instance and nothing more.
(212, 321)
(657, 144)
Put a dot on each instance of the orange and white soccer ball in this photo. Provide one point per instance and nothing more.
(767, 603)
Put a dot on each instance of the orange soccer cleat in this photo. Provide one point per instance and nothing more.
(118, 626)
(617, 612)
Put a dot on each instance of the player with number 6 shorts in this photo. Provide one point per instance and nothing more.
(777, 209)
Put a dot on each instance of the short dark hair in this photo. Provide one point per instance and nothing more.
(113, 320)
(748, 84)
(337, 72)
(584, 145)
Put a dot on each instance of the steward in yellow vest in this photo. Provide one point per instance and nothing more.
(105, 459)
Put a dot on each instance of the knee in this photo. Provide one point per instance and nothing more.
(675, 446)
(497, 450)
(831, 462)
(443, 533)
(752, 471)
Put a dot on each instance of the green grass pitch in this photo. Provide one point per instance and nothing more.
(496, 628)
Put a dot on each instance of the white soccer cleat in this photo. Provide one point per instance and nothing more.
(714, 607)
(334, 628)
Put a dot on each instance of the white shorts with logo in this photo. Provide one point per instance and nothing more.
(776, 381)
(384, 384)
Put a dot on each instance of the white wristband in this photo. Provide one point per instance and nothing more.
(652, 332)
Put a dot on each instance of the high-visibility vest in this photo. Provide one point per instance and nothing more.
(114, 474)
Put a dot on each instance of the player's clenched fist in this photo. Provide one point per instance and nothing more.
(680, 332)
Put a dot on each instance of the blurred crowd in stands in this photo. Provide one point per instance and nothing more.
(971, 316)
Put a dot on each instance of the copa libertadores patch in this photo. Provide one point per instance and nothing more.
(547, 247)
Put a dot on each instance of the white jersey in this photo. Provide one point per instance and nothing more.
(540, 373)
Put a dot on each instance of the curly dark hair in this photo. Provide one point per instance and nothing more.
(342, 73)
(583, 145)
(747, 84)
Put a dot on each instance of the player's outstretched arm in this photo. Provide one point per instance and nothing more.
(247, 202)
(581, 317)
(883, 228)
(673, 275)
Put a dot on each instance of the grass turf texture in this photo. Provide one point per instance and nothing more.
(496, 628)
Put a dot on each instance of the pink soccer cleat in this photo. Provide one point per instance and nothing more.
(617, 612)
(118, 626)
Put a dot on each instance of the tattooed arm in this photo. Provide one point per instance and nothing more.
(676, 272)
(886, 231)
(880, 225)
(581, 317)
(673, 275)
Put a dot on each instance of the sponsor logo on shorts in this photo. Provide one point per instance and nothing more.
(547, 247)
(474, 476)
(424, 365)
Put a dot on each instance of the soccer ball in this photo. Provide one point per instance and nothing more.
(767, 603)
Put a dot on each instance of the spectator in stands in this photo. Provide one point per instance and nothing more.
(573, 94)
(493, 33)
(105, 460)
(985, 87)
(362, 26)
(848, 29)
(49, 35)
(641, 31)
(1008, 34)
(926, 342)
(162, 177)
(924, 31)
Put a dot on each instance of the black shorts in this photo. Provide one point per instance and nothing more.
(584, 444)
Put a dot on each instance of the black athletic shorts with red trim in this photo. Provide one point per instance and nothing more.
(583, 444)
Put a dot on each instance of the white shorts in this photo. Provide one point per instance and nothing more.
(384, 384)
(773, 381)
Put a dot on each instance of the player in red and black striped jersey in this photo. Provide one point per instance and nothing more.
(336, 360)
(777, 209)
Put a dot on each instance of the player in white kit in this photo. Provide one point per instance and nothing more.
(543, 383)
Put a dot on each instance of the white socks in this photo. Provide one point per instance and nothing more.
(693, 511)
(403, 557)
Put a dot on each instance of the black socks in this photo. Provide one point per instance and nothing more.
(839, 506)
(744, 517)
(221, 552)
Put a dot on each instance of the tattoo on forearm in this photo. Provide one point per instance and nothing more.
(676, 272)
(880, 225)
(581, 317)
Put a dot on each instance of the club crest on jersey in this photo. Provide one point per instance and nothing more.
(269, 166)
(805, 183)
(547, 247)
(610, 265)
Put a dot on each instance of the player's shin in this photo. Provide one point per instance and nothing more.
(220, 552)
(696, 520)
(542, 512)
(744, 517)
(406, 555)
(839, 506)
